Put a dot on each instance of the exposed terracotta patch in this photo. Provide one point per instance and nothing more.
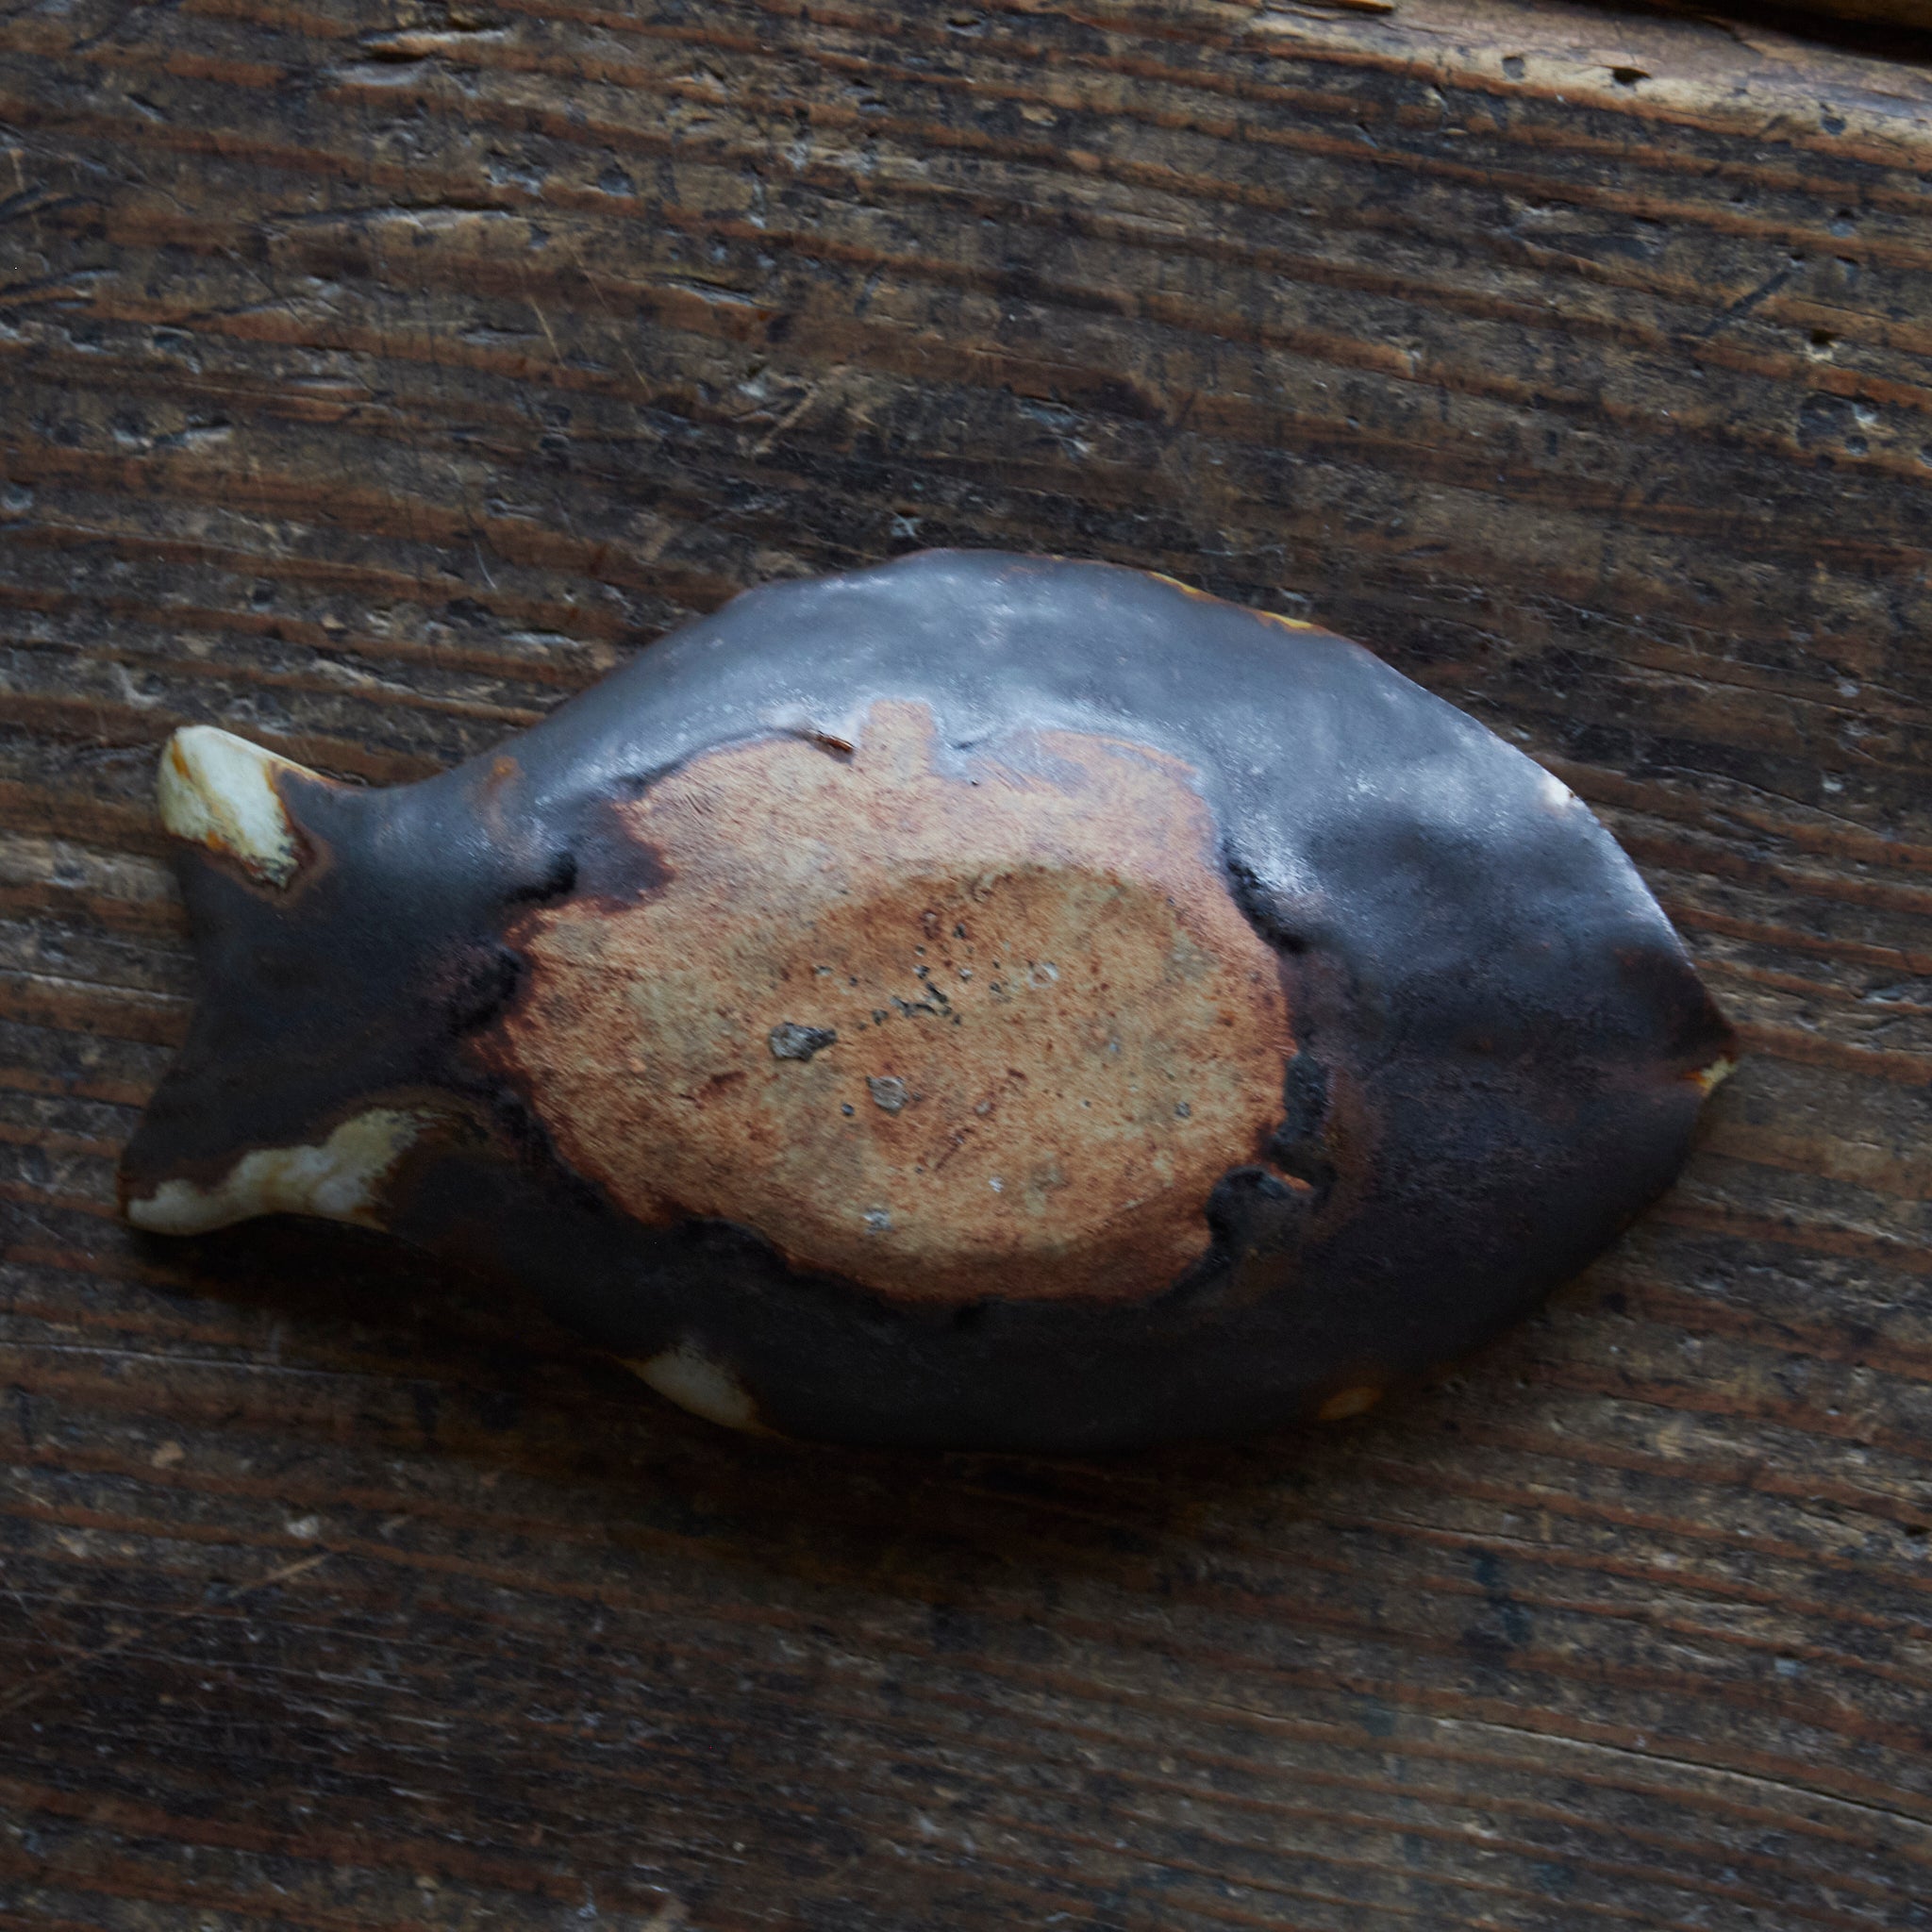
(1039, 1029)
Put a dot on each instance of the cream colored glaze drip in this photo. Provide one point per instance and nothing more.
(340, 1178)
(219, 790)
(1054, 1028)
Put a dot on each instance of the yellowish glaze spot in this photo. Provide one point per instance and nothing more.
(1714, 1075)
(1347, 1402)
(1160, 576)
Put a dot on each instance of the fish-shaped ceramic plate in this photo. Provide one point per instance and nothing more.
(985, 1000)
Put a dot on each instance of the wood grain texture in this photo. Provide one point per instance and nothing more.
(375, 374)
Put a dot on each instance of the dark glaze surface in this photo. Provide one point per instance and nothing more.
(1499, 1034)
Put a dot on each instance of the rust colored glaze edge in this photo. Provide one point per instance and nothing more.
(986, 1001)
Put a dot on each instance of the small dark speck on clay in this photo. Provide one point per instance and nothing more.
(792, 1041)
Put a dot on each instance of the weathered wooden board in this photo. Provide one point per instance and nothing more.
(375, 374)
